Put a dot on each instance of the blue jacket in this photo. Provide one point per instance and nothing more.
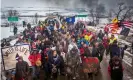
(115, 50)
(51, 28)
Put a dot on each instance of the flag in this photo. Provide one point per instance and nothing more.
(113, 28)
(115, 20)
(125, 31)
(127, 24)
(70, 19)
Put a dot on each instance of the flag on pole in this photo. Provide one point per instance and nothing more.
(70, 19)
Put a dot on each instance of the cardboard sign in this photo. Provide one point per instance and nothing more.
(9, 55)
(90, 65)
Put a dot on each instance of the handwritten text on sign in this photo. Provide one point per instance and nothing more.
(10, 53)
(91, 65)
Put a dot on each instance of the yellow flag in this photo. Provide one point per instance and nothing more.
(115, 20)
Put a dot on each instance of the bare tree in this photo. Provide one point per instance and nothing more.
(110, 15)
(92, 14)
(36, 18)
(100, 11)
(12, 13)
(123, 12)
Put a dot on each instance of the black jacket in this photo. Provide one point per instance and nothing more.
(22, 69)
(116, 72)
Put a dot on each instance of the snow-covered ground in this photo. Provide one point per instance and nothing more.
(7, 31)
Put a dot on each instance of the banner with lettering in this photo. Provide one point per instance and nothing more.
(91, 65)
(10, 55)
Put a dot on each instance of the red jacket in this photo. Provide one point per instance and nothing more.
(34, 57)
(105, 42)
(106, 29)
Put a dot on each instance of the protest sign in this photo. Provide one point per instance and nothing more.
(10, 54)
(91, 65)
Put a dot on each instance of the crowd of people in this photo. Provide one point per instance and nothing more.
(63, 51)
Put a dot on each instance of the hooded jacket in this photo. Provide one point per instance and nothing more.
(33, 58)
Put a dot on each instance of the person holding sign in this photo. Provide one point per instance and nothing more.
(35, 59)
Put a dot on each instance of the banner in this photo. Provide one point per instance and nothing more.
(91, 65)
(10, 54)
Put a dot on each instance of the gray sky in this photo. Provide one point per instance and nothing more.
(53, 3)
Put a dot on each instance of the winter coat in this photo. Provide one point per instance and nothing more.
(34, 57)
(95, 52)
(84, 52)
(73, 59)
(112, 40)
(114, 50)
(106, 29)
(116, 72)
(100, 36)
(106, 42)
(101, 49)
(22, 69)
(55, 62)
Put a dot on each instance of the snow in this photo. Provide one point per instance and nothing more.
(7, 31)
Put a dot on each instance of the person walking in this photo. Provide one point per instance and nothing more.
(15, 29)
(22, 69)
(54, 62)
(35, 59)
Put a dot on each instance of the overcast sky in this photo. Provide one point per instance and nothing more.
(53, 3)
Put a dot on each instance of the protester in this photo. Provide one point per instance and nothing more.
(5, 43)
(15, 30)
(114, 50)
(29, 26)
(22, 69)
(54, 62)
(95, 50)
(64, 52)
(100, 35)
(106, 30)
(24, 23)
(85, 52)
(106, 44)
(115, 69)
(122, 49)
(34, 58)
(112, 39)
(73, 62)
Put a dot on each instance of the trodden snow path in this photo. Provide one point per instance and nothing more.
(8, 31)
